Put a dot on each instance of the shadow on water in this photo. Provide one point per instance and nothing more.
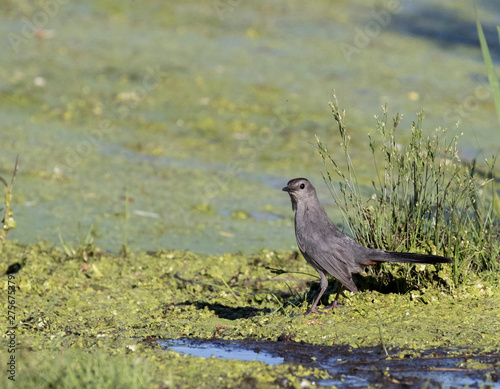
(444, 27)
(354, 367)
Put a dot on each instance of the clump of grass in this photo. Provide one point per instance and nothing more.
(423, 198)
(86, 248)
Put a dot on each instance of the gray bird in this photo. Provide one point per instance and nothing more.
(329, 250)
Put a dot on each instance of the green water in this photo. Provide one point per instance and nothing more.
(200, 112)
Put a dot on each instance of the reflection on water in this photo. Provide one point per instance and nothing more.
(231, 351)
(353, 367)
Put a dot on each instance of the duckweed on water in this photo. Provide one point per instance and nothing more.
(72, 312)
(167, 98)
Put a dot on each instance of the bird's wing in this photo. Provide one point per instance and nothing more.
(337, 268)
(330, 262)
(329, 249)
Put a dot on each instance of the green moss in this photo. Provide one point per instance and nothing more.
(105, 304)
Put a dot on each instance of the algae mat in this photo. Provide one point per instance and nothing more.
(203, 117)
(96, 309)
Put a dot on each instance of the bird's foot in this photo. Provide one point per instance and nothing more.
(314, 310)
(334, 305)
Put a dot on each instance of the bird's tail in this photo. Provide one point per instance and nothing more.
(392, 256)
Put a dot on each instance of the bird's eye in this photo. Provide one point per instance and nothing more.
(302, 186)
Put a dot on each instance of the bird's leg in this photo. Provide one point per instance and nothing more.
(313, 307)
(335, 304)
(324, 285)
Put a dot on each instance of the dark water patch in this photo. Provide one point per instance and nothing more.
(357, 368)
(445, 27)
(229, 350)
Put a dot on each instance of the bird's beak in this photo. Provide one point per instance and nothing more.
(286, 189)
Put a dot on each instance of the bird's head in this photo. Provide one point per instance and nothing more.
(299, 189)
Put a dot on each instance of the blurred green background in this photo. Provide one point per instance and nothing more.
(198, 113)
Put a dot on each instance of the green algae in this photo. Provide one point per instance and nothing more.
(170, 103)
(139, 366)
(198, 136)
(104, 304)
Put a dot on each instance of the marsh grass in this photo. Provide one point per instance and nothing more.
(125, 250)
(423, 197)
(490, 67)
(495, 89)
(86, 247)
(380, 327)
